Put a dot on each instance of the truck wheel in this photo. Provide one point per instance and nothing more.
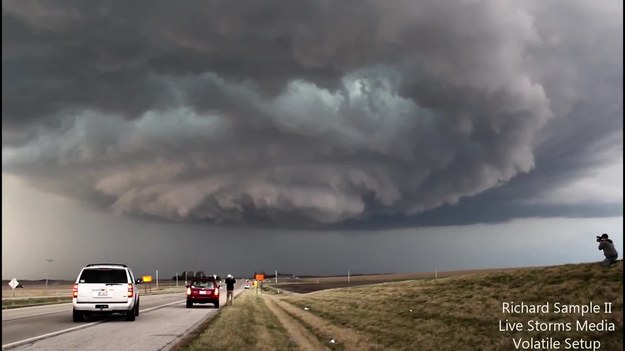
(78, 316)
(130, 315)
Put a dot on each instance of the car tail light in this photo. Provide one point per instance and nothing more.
(75, 291)
(131, 290)
(188, 291)
(216, 291)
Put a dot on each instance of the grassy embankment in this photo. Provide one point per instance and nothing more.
(247, 324)
(453, 313)
(35, 301)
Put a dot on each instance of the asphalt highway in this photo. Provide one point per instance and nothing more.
(163, 319)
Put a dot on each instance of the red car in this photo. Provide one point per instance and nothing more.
(203, 291)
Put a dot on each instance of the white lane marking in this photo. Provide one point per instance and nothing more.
(12, 318)
(39, 337)
(7, 312)
(44, 336)
(167, 304)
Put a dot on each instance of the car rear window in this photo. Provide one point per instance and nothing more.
(103, 275)
(203, 284)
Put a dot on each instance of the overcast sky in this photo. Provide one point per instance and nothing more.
(311, 136)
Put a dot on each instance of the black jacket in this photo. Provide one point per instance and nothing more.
(230, 284)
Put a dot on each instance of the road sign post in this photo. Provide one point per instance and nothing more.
(49, 261)
(13, 284)
(147, 279)
(259, 277)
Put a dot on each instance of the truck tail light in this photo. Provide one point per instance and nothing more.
(131, 291)
(75, 291)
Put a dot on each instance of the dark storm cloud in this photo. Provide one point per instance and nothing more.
(309, 112)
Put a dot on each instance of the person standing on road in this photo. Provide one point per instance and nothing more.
(230, 289)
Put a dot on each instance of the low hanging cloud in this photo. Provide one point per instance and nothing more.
(306, 113)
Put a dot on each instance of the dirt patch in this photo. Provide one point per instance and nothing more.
(304, 339)
(344, 338)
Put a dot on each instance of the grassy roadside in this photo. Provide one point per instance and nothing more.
(452, 313)
(35, 301)
(463, 313)
(332, 336)
(248, 323)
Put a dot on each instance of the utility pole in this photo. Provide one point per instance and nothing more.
(276, 276)
(348, 278)
(176, 279)
(49, 261)
(435, 273)
(157, 278)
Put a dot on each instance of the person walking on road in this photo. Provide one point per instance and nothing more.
(230, 289)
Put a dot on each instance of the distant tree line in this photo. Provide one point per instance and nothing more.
(201, 274)
(191, 275)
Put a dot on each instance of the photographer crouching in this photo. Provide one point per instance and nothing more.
(609, 251)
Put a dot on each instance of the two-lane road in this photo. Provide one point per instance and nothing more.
(163, 320)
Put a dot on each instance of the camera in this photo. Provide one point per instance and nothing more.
(598, 238)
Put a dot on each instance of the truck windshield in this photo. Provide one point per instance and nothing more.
(103, 275)
(203, 284)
